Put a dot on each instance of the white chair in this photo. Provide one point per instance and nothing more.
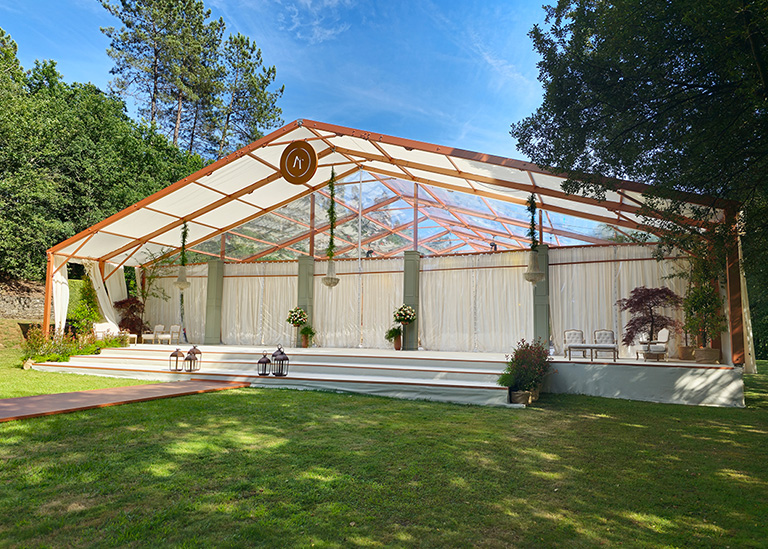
(171, 337)
(605, 342)
(573, 337)
(153, 337)
(657, 348)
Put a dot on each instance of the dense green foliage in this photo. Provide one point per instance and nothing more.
(85, 310)
(211, 95)
(672, 94)
(69, 157)
(59, 347)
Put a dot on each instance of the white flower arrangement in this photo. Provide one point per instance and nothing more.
(404, 314)
(297, 317)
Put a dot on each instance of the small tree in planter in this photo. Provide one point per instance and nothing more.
(703, 312)
(394, 335)
(307, 335)
(525, 371)
(642, 304)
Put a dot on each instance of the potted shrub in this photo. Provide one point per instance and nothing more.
(526, 368)
(395, 335)
(307, 334)
(704, 317)
(643, 304)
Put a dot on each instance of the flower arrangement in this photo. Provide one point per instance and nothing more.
(297, 317)
(404, 314)
(526, 367)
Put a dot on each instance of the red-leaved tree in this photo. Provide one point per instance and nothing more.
(642, 304)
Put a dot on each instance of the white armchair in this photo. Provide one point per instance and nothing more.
(657, 348)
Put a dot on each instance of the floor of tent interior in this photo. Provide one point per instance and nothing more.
(458, 377)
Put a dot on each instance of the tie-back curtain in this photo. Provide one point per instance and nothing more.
(475, 302)
(585, 283)
(168, 312)
(358, 310)
(255, 303)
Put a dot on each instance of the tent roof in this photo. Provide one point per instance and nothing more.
(463, 201)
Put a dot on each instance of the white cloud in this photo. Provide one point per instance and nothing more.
(315, 21)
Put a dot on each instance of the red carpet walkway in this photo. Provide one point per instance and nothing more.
(45, 405)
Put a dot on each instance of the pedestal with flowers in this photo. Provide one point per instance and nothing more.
(404, 315)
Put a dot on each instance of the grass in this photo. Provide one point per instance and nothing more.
(279, 468)
(15, 382)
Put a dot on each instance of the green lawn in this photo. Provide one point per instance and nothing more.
(15, 382)
(281, 468)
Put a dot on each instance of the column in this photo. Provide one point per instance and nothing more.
(306, 288)
(541, 299)
(213, 302)
(411, 268)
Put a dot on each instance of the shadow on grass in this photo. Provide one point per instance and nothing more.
(285, 468)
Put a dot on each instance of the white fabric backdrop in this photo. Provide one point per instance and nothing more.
(585, 283)
(256, 300)
(60, 294)
(105, 303)
(475, 302)
(359, 309)
(115, 284)
(168, 312)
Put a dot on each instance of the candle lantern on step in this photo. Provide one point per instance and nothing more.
(279, 362)
(176, 361)
(264, 363)
(190, 362)
(198, 354)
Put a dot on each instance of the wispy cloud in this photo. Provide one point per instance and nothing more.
(315, 21)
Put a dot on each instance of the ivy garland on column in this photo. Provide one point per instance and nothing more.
(331, 215)
(531, 207)
(330, 279)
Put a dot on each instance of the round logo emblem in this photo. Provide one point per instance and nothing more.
(298, 163)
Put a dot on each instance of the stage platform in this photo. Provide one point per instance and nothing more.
(459, 377)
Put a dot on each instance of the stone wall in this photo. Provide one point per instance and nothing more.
(21, 301)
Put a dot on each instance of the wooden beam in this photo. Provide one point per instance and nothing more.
(48, 294)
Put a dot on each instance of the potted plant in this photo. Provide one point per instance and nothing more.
(703, 316)
(394, 335)
(643, 304)
(307, 334)
(526, 368)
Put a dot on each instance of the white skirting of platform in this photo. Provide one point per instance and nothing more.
(468, 378)
(672, 383)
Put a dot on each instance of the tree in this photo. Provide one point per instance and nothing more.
(642, 304)
(246, 105)
(69, 157)
(140, 49)
(671, 94)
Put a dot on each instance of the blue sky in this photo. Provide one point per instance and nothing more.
(454, 73)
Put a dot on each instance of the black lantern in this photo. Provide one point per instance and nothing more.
(176, 361)
(198, 354)
(279, 362)
(190, 362)
(264, 363)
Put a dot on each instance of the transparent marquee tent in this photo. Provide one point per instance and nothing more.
(464, 212)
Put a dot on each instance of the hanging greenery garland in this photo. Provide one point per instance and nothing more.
(331, 215)
(184, 234)
(531, 207)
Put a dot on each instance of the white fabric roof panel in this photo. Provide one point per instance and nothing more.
(209, 210)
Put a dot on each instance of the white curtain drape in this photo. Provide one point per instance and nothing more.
(105, 303)
(115, 283)
(60, 294)
(358, 310)
(255, 303)
(168, 311)
(586, 282)
(475, 302)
